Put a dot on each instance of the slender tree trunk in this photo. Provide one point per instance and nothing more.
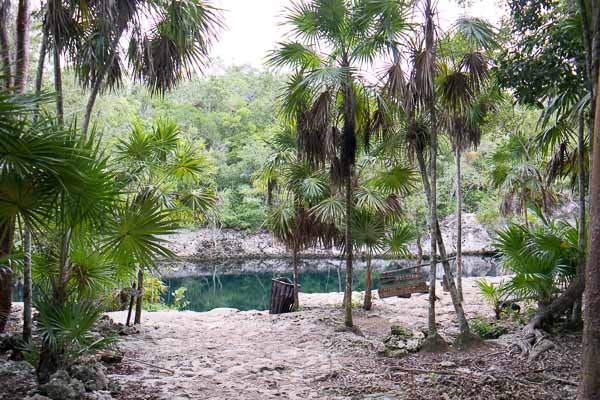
(576, 315)
(430, 47)
(140, 298)
(525, 216)
(296, 290)
(131, 300)
(349, 270)
(460, 314)
(27, 286)
(60, 108)
(5, 44)
(22, 45)
(368, 284)
(97, 85)
(39, 76)
(6, 242)
(458, 227)
(589, 388)
(419, 251)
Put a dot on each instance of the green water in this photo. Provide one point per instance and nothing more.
(251, 291)
(235, 284)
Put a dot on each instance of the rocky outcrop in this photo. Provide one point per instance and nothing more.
(210, 244)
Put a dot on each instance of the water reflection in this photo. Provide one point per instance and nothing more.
(245, 284)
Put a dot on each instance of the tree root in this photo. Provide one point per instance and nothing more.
(467, 340)
(532, 344)
(434, 344)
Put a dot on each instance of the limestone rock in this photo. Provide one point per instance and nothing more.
(93, 376)
(62, 387)
(17, 376)
(99, 395)
(401, 342)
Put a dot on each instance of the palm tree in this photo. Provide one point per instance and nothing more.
(416, 100)
(166, 41)
(540, 258)
(376, 223)
(298, 187)
(467, 98)
(160, 164)
(353, 33)
(516, 174)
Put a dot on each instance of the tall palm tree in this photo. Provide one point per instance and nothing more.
(416, 98)
(330, 40)
(467, 97)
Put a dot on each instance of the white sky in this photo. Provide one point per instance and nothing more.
(253, 26)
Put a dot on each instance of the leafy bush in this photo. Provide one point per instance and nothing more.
(153, 289)
(542, 258)
(67, 329)
(486, 329)
(179, 300)
(492, 294)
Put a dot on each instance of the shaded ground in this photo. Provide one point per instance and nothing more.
(226, 354)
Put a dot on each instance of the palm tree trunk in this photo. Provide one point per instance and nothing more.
(419, 251)
(590, 383)
(5, 43)
(368, 283)
(430, 47)
(58, 88)
(6, 235)
(460, 314)
(27, 286)
(348, 297)
(576, 315)
(458, 226)
(89, 107)
(22, 45)
(140, 298)
(296, 290)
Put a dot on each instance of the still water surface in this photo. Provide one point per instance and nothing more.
(245, 283)
(217, 284)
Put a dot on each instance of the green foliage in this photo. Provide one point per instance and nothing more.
(487, 329)
(153, 289)
(179, 300)
(67, 328)
(542, 258)
(492, 294)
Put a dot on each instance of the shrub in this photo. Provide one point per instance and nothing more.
(487, 329)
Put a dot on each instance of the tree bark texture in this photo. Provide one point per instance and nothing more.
(589, 388)
(368, 304)
(349, 261)
(5, 44)
(22, 45)
(296, 288)
(6, 236)
(139, 301)
(459, 274)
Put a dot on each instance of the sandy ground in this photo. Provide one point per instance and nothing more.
(228, 354)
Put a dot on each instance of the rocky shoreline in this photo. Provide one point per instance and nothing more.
(231, 244)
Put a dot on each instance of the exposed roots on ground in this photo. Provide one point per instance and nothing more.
(434, 344)
(532, 344)
(467, 340)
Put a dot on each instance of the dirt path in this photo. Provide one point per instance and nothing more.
(227, 354)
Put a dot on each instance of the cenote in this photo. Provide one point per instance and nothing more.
(245, 284)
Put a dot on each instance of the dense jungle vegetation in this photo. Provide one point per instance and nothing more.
(368, 124)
